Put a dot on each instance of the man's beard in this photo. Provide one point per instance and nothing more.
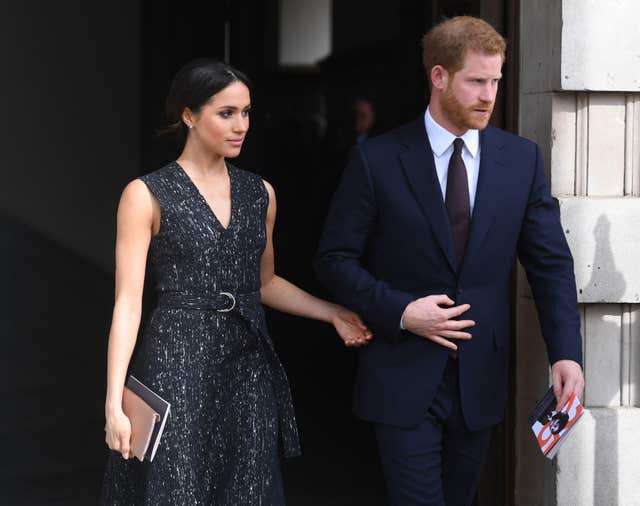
(464, 117)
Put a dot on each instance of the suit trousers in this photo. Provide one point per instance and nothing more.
(439, 461)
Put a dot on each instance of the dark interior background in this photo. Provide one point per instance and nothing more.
(87, 93)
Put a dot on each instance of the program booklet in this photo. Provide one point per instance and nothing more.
(552, 427)
(148, 413)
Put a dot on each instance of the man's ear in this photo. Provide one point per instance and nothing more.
(439, 77)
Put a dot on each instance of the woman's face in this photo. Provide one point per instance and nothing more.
(222, 123)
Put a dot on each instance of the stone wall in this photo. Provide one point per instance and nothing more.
(580, 100)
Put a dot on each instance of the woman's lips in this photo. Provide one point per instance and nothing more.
(235, 142)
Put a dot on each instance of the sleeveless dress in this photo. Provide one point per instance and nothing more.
(206, 350)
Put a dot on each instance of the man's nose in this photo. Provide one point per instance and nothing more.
(488, 93)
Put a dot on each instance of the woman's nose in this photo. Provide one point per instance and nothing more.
(241, 124)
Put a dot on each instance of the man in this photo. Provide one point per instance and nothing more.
(420, 240)
(364, 117)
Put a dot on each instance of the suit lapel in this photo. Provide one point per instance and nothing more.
(487, 192)
(419, 168)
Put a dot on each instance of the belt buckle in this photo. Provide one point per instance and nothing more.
(233, 302)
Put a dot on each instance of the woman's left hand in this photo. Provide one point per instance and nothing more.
(351, 328)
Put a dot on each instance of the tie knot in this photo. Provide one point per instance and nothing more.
(457, 145)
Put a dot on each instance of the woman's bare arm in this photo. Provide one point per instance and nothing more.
(282, 295)
(138, 217)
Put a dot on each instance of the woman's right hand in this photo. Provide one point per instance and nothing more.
(350, 327)
(118, 433)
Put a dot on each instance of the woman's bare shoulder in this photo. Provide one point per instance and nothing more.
(270, 190)
(136, 197)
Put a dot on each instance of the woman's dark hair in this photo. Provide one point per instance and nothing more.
(193, 86)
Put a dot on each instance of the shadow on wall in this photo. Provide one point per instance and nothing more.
(604, 276)
(54, 315)
(603, 348)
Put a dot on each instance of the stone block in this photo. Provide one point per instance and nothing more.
(563, 144)
(604, 237)
(540, 55)
(603, 341)
(632, 357)
(533, 476)
(598, 464)
(305, 31)
(606, 144)
(600, 45)
(536, 124)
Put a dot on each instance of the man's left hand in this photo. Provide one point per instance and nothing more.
(567, 377)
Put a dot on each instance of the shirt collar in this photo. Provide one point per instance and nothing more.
(440, 138)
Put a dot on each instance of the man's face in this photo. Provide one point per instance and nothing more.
(364, 116)
(470, 94)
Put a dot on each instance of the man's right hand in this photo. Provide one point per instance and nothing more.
(425, 317)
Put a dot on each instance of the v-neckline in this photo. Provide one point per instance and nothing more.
(203, 200)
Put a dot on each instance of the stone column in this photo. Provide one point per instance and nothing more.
(580, 100)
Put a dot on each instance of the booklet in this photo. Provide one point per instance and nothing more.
(552, 427)
(148, 413)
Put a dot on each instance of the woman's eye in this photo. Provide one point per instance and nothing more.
(226, 114)
(246, 112)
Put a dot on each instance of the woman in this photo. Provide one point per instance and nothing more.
(207, 227)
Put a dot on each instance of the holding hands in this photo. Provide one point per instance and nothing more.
(427, 318)
(351, 328)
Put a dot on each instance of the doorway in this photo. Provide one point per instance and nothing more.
(302, 129)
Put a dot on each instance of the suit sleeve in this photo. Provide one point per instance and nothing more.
(547, 260)
(339, 267)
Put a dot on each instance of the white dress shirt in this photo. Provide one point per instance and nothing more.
(441, 141)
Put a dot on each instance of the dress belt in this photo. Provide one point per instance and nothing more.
(222, 302)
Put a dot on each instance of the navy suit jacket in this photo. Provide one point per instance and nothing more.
(387, 242)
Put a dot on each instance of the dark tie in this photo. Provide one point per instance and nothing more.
(457, 200)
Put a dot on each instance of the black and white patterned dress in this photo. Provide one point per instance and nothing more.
(207, 351)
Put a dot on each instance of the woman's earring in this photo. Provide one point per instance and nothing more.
(190, 127)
